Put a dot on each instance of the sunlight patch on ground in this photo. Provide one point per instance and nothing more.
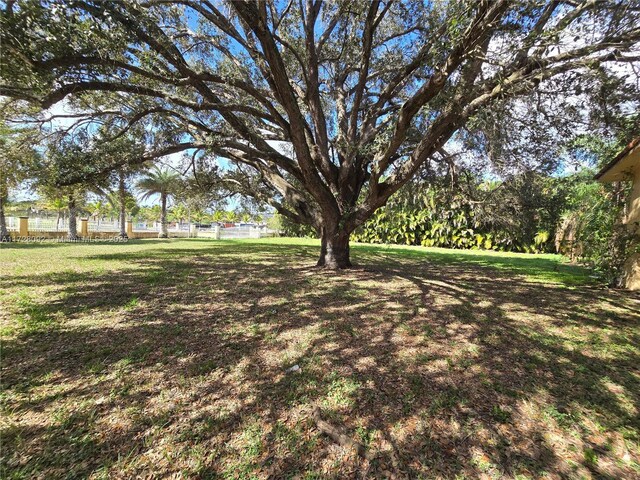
(171, 358)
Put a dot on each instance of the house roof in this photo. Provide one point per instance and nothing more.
(622, 164)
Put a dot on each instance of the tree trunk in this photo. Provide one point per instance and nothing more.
(122, 197)
(164, 233)
(73, 229)
(4, 233)
(334, 250)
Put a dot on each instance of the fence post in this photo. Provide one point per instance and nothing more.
(130, 228)
(84, 227)
(24, 226)
(193, 232)
(216, 232)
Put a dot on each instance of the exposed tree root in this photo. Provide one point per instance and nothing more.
(339, 436)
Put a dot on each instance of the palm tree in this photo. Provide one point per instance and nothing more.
(230, 216)
(163, 183)
(218, 216)
(69, 199)
(54, 201)
(121, 201)
(199, 216)
(179, 213)
(151, 214)
(98, 210)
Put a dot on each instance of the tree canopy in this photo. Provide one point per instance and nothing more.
(333, 106)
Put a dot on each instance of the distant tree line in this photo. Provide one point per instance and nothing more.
(51, 163)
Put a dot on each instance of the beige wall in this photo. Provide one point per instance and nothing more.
(634, 201)
(92, 235)
(631, 273)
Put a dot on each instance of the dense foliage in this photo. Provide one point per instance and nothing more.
(519, 214)
(593, 229)
(531, 212)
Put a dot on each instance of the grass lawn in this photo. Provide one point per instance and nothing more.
(168, 359)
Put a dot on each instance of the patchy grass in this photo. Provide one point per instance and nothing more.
(169, 359)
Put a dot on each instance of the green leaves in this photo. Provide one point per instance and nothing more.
(434, 216)
(433, 220)
(157, 181)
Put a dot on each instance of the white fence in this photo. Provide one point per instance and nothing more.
(47, 224)
(12, 224)
(241, 232)
(61, 224)
(114, 226)
(38, 224)
(103, 225)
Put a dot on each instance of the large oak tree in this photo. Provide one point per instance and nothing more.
(363, 93)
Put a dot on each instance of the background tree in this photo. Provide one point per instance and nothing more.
(595, 213)
(163, 183)
(363, 93)
(74, 197)
(52, 200)
(230, 216)
(123, 197)
(98, 210)
(18, 161)
(218, 216)
(69, 200)
(199, 216)
(65, 154)
(151, 214)
(122, 205)
(122, 148)
(180, 212)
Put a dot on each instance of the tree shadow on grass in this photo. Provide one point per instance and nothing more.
(9, 246)
(542, 267)
(178, 366)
